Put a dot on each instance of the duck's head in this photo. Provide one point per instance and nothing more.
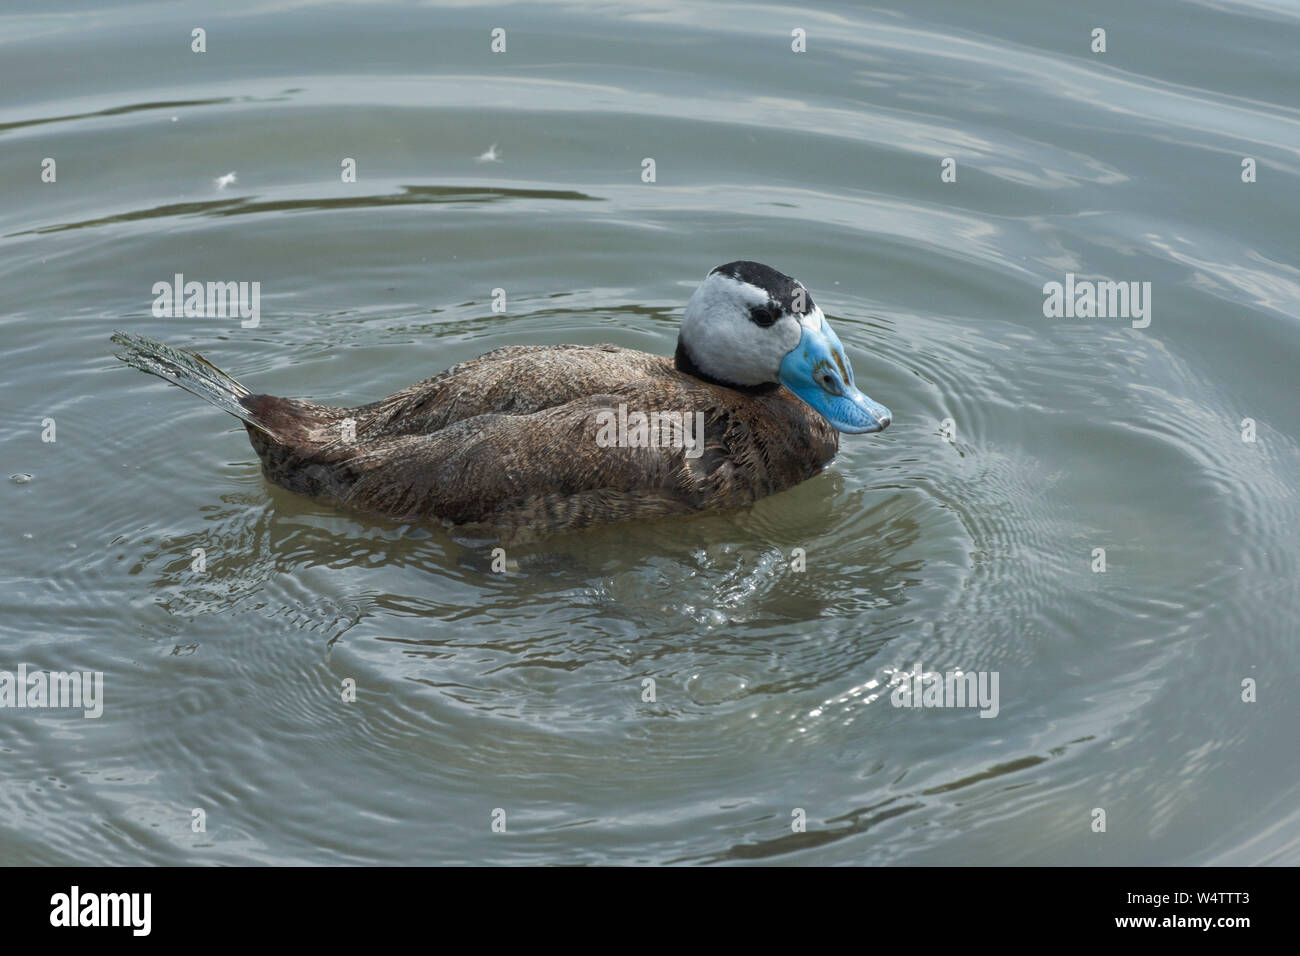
(752, 328)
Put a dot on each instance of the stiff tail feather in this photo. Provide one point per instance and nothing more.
(191, 372)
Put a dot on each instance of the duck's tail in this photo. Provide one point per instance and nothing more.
(193, 373)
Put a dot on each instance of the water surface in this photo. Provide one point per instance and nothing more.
(524, 691)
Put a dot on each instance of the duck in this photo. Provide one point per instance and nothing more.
(527, 441)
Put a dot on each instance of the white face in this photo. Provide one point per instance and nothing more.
(724, 340)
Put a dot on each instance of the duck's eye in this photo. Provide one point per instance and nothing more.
(763, 315)
(827, 381)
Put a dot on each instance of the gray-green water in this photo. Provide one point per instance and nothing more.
(523, 691)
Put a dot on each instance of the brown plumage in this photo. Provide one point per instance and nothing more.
(505, 444)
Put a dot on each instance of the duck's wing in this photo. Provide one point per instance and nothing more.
(516, 380)
(545, 468)
(555, 469)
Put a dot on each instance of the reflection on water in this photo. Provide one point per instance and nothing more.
(410, 195)
(671, 691)
(114, 111)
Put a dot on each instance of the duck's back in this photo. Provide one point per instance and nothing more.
(517, 441)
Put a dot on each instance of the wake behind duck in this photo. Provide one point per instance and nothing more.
(529, 440)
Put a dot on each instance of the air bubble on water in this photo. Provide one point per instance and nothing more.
(20, 479)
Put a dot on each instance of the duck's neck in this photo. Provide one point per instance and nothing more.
(683, 362)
